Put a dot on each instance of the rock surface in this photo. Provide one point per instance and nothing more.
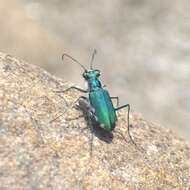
(38, 151)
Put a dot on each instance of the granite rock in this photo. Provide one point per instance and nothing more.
(42, 146)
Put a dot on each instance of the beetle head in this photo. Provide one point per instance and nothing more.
(91, 74)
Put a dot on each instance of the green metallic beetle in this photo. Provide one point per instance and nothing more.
(99, 103)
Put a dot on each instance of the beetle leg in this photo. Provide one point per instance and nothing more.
(73, 104)
(85, 106)
(116, 98)
(81, 98)
(72, 87)
(128, 129)
(91, 138)
(121, 135)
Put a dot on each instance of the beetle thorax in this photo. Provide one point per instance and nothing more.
(94, 84)
(91, 76)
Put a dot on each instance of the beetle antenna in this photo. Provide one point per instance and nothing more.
(66, 55)
(94, 53)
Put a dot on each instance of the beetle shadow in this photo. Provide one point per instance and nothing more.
(99, 132)
(92, 123)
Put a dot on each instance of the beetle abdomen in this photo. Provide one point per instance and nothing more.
(104, 110)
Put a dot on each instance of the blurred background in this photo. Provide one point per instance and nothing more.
(143, 48)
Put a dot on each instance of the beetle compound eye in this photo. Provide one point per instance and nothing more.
(85, 75)
(97, 73)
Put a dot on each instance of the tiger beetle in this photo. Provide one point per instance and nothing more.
(99, 104)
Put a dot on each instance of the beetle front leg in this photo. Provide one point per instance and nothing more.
(72, 87)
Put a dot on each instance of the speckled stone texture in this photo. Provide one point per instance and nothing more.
(38, 151)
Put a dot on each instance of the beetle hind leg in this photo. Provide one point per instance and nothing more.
(128, 126)
(115, 98)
